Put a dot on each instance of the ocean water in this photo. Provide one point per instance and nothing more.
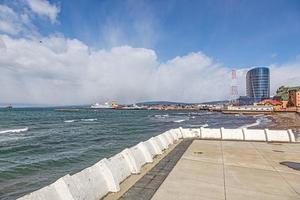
(39, 145)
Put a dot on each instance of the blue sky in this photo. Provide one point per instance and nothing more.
(149, 39)
(236, 33)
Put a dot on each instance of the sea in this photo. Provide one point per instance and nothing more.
(40, 145)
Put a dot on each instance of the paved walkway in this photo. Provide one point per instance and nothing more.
(233, 170)
(146, 187)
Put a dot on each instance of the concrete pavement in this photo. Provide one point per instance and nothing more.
(233, 170)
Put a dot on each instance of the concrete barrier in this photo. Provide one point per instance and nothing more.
(129, 157)
(178, 132)
(232, 134)
(210, 133)
(57, 190)
(163, 141)
(195, 132)
(139, 157)
(277, 135)
(106, 175)
(255, 135)
(153, 148)
(147, 155)
(157, 145)
(292, 136)
(89, 183)
(174, 134)
(186, 133)
(47, 193)
(169, 137)
(119, 167)
(111, 182)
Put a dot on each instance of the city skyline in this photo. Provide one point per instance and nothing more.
(61, 52)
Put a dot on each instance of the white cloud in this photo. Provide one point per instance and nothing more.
(9, 20)
(44, 8)
(16, 24)
(60, 70)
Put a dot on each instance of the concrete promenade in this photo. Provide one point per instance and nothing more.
(233, 170)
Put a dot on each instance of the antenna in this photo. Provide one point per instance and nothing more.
(234, 87)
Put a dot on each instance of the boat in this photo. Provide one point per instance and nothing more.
(101, 106)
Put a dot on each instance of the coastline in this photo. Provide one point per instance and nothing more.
(282, 121)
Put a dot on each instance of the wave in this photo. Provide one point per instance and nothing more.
(15, 130)
(161, 116)
(88, 120)
(69, 121)
(179, 120)
(198, 125)
(258, 121)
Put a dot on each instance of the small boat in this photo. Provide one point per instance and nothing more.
(9, 107)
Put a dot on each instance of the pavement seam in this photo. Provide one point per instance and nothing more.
(223, 164)
(276, 171)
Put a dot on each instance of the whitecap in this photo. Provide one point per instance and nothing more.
(258, 121)
(15, 130)
(204, 125)
(88, 120)
(161, 116)
(179, 120)
(69, 121)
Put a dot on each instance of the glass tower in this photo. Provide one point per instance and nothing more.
(258, 83)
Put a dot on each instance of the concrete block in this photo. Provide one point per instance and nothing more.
(62, 189)
(187, 133)
(232, 134)
(87, 184)
(163, 141)
(119, 167)
(178, 132)
(292, 135)
(210, 133)
(146, 152)
(168, 137)
(277, 135)
(57, 190)
(104, 169)
(127, 153)
(174, 134)
(152, 148)
(159, 143)
(255, 135)
(138, 156)
(195, 132)
(45, 193)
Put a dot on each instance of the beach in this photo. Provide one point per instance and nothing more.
(285, 121)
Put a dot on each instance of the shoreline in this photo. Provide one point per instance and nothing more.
(282, 121)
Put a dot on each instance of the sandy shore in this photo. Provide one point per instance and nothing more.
(284, 121)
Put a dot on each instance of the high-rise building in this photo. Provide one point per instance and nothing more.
(258, 83)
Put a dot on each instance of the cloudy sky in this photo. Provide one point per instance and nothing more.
(62, 52)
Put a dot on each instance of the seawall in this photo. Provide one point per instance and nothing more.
(105, 176)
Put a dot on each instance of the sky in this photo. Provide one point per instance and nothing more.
(63, 52)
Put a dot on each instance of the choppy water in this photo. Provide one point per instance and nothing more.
(39, 145)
